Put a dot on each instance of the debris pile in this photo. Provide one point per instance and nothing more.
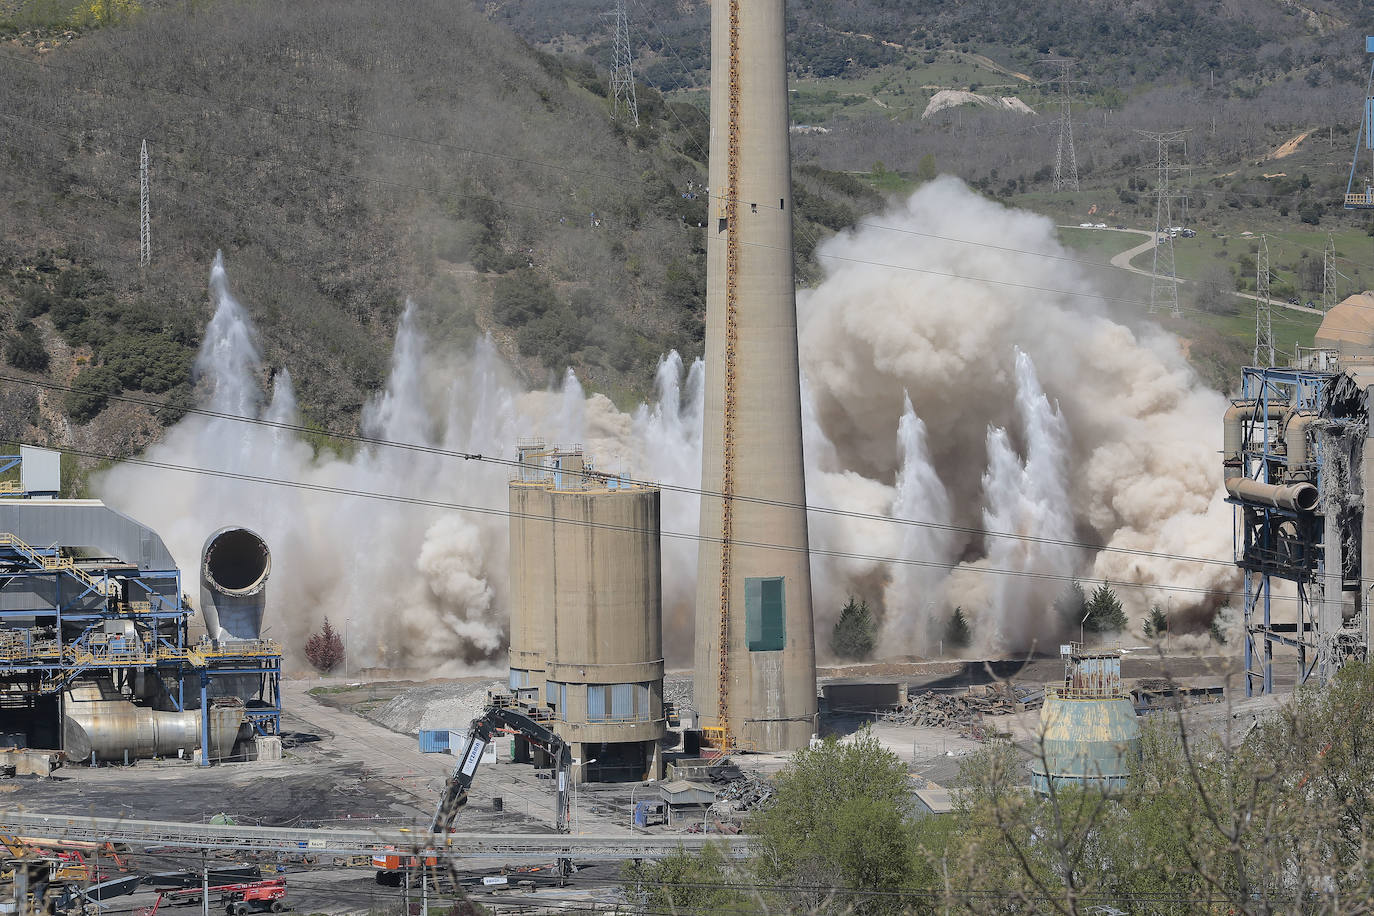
(964, 711)
(745, 792)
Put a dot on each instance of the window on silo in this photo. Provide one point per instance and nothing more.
(597, 710)
(765, 614)
(622, 702)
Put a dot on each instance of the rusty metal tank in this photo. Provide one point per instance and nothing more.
(1089, 734)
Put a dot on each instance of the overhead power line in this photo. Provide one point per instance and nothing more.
(424, 502)
(438, 451)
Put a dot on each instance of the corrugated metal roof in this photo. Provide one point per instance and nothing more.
(935, 799)
(85, 523)
(682, 792)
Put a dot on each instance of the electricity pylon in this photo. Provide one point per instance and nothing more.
(622, 69)
(1329, 274)
(1164, 280)
(1264, 313)
(145, 238)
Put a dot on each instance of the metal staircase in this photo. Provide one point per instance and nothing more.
(51, 563)
(727, 510)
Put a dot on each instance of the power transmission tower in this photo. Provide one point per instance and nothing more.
(622, 70)
(1329, 274)
(145, 239)
(1264, 316)
(1164, 280)
(1065, 173)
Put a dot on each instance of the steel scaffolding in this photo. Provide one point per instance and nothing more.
(1275, 543)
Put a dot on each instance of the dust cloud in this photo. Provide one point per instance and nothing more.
(935, 405)
(1019, 406)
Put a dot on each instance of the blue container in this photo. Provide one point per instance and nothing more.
(434, 741)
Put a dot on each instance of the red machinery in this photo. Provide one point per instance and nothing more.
(237, 899)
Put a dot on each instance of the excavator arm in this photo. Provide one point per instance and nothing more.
(500, 720)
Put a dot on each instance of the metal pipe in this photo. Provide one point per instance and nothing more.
(1233, 425)
(105, 728)
(1297, 497)
(234, 569)
(1295, 443)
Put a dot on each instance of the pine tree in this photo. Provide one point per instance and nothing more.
(1071, 605)
(325, 650)
(1156, 623)
(1104, 612)
(958, 633)
(853, 636)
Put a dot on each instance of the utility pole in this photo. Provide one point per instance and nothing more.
(204, 881)
(622, 70)
(1329, 274)
(1264, 316)
(1065, 159)
(145, 240)
(1164, 280)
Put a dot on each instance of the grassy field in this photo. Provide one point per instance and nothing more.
(1290, 327)
(1098, 245)
(897, 91)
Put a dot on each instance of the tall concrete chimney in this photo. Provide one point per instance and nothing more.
(762, 689)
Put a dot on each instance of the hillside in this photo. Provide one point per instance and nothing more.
(343, 160)
(347, 156)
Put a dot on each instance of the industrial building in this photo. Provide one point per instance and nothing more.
(96, 657)
(755, 683)
(586, 624)
(1297, 467)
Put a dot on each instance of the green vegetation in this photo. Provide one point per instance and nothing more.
(1274, 820)
(1070, 606)
(1155, 623)
(855, 632)
(1104, 611)
(91, 391)
(837, 838)
(958, 632)
(66, 14)
(25, 349)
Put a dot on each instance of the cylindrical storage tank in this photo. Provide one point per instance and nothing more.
(605, 658)
(1085, 741)
(234, 568)
(531, 587)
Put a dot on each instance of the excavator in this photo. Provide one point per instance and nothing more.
(496, 720)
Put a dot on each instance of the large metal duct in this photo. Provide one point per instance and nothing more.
(111, 727)
(1233, 426)
(1297, 497)
(234, 567)
(1295, 445)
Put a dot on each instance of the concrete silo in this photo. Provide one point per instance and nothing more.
(588, 570)
(755, 645)
(531, 550)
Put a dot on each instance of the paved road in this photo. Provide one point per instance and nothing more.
(1123, 261)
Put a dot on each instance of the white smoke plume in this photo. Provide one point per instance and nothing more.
(952, 405)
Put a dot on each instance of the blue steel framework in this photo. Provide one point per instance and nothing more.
(46, 658)
(1269, 542)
